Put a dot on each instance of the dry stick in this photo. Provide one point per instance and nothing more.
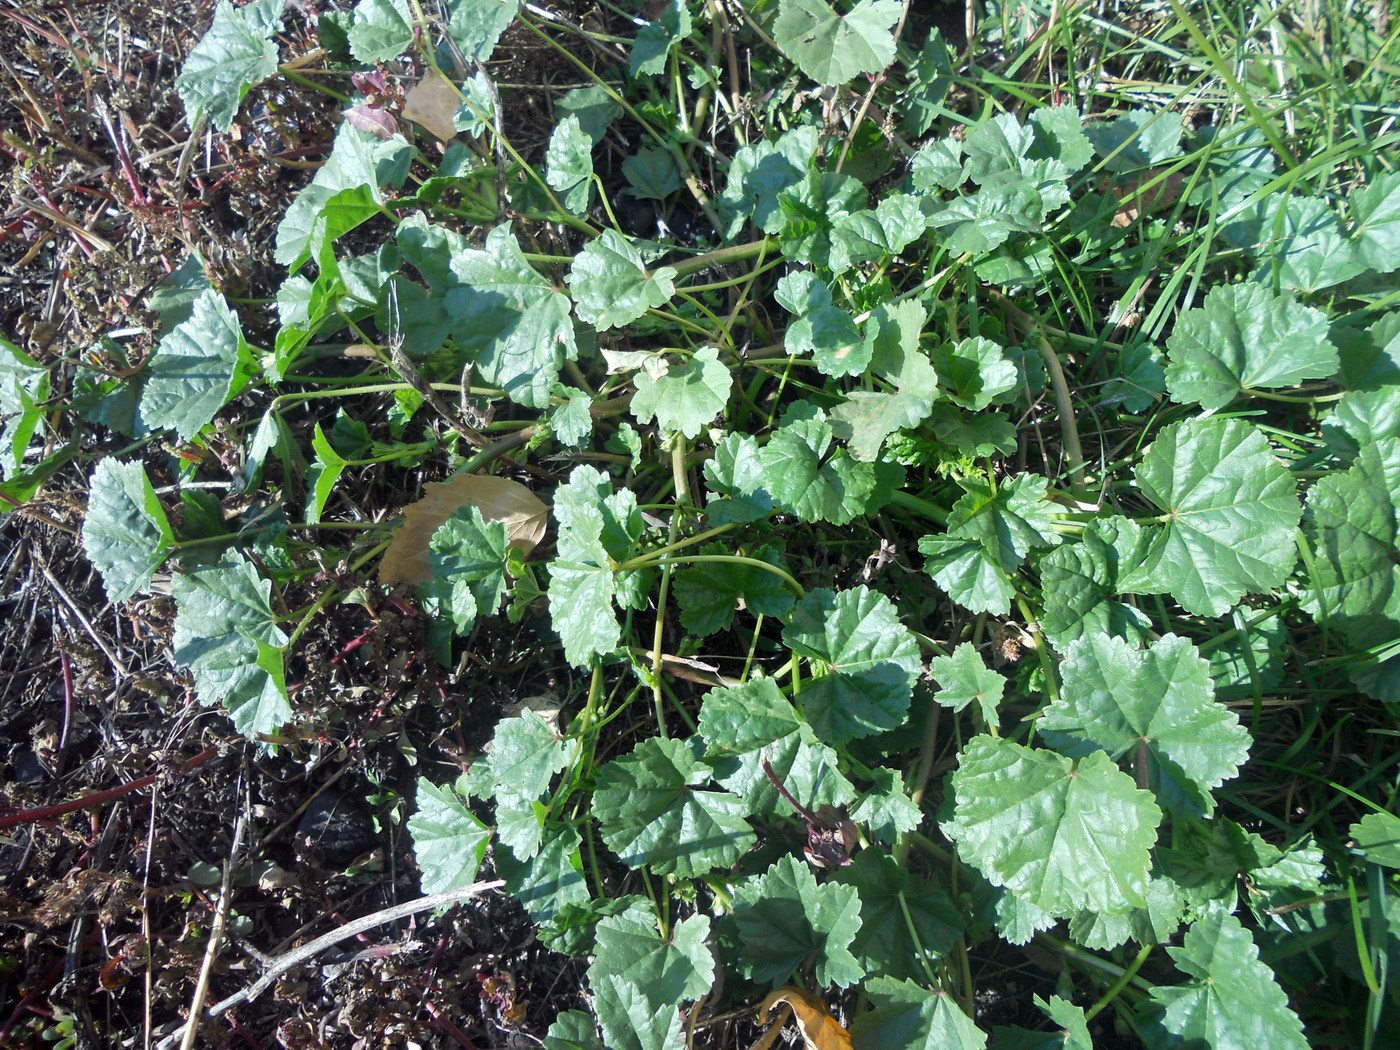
(297, 956)
(94, 239)
(875, 82)
(425, 389)
(33, 816)
(117, 665)
(216, 936)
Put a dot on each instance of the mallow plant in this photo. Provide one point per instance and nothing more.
(965, 504)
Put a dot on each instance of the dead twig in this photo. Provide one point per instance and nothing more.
(100, 642)
(216, 936)
(95, 240)
(305, 952)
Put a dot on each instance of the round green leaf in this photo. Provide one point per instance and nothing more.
(610, 283)
(1063, 835)
(654, 814)
(1232, 999)
(1118, 698)
(125, 533)
(866, 662)
(1231, 510)
(448, 840)
(832, 48)
(1246, 338)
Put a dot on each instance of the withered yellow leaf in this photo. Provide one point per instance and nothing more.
(820, 1031)
(498, 499)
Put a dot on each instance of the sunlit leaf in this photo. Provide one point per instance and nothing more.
(1072, 835)
(234, 55)
(126, 534)
(1245, 338)
(449, 842)
(832, 48)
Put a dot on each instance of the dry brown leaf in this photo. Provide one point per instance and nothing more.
(820, 1031)
(1139, 198)
(498, 499)
(433, 102)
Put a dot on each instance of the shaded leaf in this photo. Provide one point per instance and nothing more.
(1079, 580)
(659, 37)
(866, 662)
(886, 943)
(913, 1018)
(467, 559)
(784, 918)
(1355, 586)
(709, 593)
(550, 882)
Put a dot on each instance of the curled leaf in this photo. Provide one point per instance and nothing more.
(820, 1031)
(499, 499)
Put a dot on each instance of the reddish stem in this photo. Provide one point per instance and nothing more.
(447, 1027)
(34, 816)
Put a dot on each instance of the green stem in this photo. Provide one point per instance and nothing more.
(732, 559)
(913, 932)
(310, 82)
(922, 507)
(1116, 988)
(1090, 961)
(926, 754)
(724, 256)
(678, 475)
(690, 541)
(1292, 399)
(320, 603)
(1046, 664)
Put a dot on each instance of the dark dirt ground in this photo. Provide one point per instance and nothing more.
(105, 908)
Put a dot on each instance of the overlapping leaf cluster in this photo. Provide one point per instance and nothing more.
(748, 469)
